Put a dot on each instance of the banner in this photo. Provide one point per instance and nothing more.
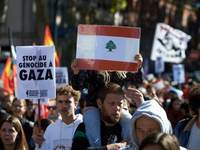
(36, 72)
(61, 76)
(107, 47)
(169, 43)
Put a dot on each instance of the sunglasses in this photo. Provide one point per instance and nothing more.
(53, 107)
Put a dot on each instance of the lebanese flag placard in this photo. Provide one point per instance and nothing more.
(107, 47)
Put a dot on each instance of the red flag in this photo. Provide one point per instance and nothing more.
(48, 40)
(7, 78)
(44, 112)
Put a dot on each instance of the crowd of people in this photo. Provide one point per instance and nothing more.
(106, 110)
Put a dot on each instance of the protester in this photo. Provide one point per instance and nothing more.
(59, 134)
(30, 111)
(18, 110)
(94, 79)
(174, 112)
(105, 127)
(188, 130)
(44, 124)
(160, 141)
(8, 99)
(53, 111)
(149, 118)
(12, 134)
(151, 91)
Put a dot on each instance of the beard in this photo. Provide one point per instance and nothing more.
(107, 118)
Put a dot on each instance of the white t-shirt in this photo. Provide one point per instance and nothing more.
(194, 139)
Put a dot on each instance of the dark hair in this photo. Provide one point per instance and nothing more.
(194, 98)
(44, 123)
(185, 106)
(21, 139)
(172, 100)
(112, 88)
(166, 141)
(69, 91)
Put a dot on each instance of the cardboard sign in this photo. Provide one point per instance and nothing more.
(159, 65)
(179, 73)
(61, 76)
(36, 72)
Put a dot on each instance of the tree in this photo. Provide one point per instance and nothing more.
(110, 45)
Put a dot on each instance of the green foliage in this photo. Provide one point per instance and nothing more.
(118, 4)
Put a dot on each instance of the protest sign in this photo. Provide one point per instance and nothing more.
(159, 65)
(107, 47)
(36, 72)
(179, 73)
(61, 76)
(159, 84)
(169, 43)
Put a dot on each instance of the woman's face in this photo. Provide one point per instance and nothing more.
(8, 134)
(176, 105)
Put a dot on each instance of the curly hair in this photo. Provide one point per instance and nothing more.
(194, 99)
(69, 91)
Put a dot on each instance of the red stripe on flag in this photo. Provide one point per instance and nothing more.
(94, 64)
(127, 32)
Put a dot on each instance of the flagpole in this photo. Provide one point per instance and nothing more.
(39, 119)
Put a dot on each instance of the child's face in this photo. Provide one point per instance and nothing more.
(35, 132)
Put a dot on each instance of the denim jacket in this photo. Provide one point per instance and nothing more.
(183, 136)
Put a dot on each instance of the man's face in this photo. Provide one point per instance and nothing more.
(65, 105)
(111, 108)
(53, 111)
(146, 126)
(18, 109)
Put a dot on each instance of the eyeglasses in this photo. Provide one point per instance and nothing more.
(53, 107)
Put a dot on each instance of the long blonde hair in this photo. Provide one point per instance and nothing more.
(106, 76)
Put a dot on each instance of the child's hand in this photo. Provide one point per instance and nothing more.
(139, 59)
(74, 66)
(39, 139)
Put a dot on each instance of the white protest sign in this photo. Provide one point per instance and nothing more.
(61, 76)
(36, 72)
(170, 43)
(159, 65)
(179, 73)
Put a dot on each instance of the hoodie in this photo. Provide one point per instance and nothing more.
(59, 134)
(92, 121)
(151, 109)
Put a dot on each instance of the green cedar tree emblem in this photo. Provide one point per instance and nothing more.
(110, 45)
